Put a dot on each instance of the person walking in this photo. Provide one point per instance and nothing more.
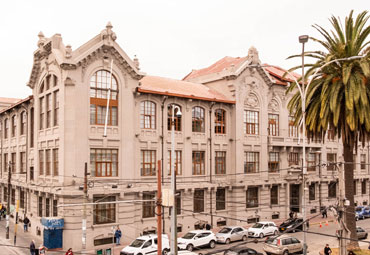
(32, 247)
(26, 221)
(291, 214)
(69, 252)
(327, 250)
(118, 235)
(324, 213)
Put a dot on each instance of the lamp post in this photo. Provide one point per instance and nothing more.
(173, 181)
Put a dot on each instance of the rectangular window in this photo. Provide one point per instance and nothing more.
(176, 119)
(104, 213)
(252, 197)
(331, 159)
(147, 115)
(98, 113)
(251, 122)
(56, 108)
(104, 162)
(354, 187)
(5, 194)
(273, 124)
(198, 119)
(21, 199)
(363, 187)
(148, 206)
(13, 197)
(198, 200)
(55, 208)
(220, 162)
(32, 133)
(6, 162)
(363, 161)
(178, 202)
(220, 199)
(47, 207)
(40, 205)
(293, 130)
(311, 162)
(177, 160)
(42, 113)
(6, 128)
(332, 190)
(41, 162)
(273, 162)
(198, 163)
(312, 191)
(293, 158)
(48, 162)
(251, 162)
(14, 162)
(55, 162)
(14, 125)
(220, 121)
(23, 162)
(32, 173)
(274, 195)
(148, 163)
(23, 123)
(331, 134)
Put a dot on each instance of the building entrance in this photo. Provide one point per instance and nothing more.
(295, 197)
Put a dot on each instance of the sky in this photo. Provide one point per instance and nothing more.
(169, 37)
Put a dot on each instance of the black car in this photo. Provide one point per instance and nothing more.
(292, 225)
(241, 251)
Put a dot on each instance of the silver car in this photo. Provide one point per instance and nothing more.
(231, 233)
(282, 245)
(361, 233)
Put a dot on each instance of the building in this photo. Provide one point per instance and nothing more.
(237, 150)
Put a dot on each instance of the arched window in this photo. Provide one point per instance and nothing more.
(147, 115)
(220, 121)
(99, 86)
(177, 119)
(198, 119)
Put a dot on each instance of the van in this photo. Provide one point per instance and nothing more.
(146, 245)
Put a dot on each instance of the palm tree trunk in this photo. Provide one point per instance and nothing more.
(349, 193)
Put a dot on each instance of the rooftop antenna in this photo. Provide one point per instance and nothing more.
(109, 89)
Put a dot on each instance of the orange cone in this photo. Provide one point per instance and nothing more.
(327, 223)
(320, 225)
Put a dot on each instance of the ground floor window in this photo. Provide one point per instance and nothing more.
(274, 195)
(104, 213)
(40, 206)
(198, 200)
(312, 191)
(148, 206)
(332, 190)
(252, 197)
(221, 199)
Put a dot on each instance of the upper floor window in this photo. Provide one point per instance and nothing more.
(220, 121)
(251, 122)
(293, 158)
(48, 102)
(14, 125)
(176, 117)
(147, 115)
(6, 128)
(251, 162)
(293, 130)
(177, 160)
(331, 159)
(100, 83)
(198, 163)
(273, 124)
(273, 161)
(331, 134)
(23, 122)
(148, 163)
(56, 108)
(311, 161)
(220, 162)
(104, 162)
(363, 161)
(198, 119)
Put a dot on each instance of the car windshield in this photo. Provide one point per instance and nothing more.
(188, 236)
(358, 209)
(288, 221)
(225, 230)
(257, 225)
(271, 240)
(137, 243)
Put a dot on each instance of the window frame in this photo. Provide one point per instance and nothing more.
(104, 162)
(293, 158)
(23, 122)
(198, 200)
(177, 120)
(292, 129)
(151, 165)
(273, 124)
(107, 210)
(148, 114)
(312, 191)
(220, 162)
(220, 121)
(332, 189)
(198, 160)
(251, 122)
(331, 161)
(14, 125)
(274, 195)
(220, 199)
(198, 119)
(178, 162)
(148, 207)
(252, 197)
(255, 163)
(273, 166)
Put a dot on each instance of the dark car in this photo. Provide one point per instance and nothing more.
(241, 250)
(292, 225)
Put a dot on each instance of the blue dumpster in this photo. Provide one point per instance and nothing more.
(53, 232)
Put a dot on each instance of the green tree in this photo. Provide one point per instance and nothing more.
(338, 96)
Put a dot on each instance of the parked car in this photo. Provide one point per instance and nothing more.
(196, 238)
(361, 233)
(292, 225)
(367, 212)
(146, 244)
(231, 233)
(262, 229)
(360, 212)
(283, 244)
(242, 251)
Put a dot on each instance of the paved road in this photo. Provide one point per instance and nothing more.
(315, 242)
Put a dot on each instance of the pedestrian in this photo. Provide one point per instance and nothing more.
(291, 214)
(324, 213)
(327, 250)
(32, 247)
(42, 249)
(208, 226)
(118, 235)
(26, 221)
(69, 252)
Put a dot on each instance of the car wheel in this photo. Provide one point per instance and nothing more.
(366, 236)
(275, 233)
(286, 252)
(244, 238)
(261, 235)
(227, 241)
(190, 247)
(165, 252)
(212, 244)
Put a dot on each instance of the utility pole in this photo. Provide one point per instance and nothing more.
(159, 209)
(8, 206)
(341, 212)
(84, 210)
(16, 223)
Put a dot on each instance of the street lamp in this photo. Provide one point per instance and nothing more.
(173, 180)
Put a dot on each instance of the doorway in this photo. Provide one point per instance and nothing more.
(295, 197)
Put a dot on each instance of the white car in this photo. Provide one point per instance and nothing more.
(231, 233)
(263, 228)
(196, 238)
(146, 244)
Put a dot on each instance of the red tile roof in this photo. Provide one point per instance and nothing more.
(8, 100)
(172, 87)
(278, 73)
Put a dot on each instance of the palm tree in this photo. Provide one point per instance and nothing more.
(338, 95)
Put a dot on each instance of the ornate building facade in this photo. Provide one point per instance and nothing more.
(237, 152)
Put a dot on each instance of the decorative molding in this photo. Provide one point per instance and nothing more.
(251, 100)
(273, 105)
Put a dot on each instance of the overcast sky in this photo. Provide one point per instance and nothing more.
(169, 37)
